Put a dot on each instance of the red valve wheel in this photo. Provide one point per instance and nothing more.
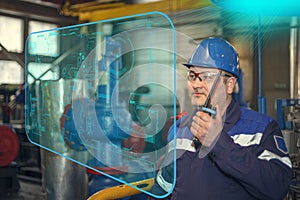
(9, 145)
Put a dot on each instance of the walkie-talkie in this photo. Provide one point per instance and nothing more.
(207, 107)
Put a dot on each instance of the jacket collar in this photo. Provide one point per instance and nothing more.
(233, 114)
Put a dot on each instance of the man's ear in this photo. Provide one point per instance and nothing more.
(230, 85)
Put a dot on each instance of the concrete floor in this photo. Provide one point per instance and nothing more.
(27, 191)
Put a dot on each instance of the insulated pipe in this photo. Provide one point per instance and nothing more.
(62, 178)
(293, 56)
(259, 56)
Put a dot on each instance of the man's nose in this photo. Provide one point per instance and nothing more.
(199, 82)
(200, 85)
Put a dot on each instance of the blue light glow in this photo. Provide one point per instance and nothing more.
(262, 7)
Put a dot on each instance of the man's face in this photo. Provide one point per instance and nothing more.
(199, 89)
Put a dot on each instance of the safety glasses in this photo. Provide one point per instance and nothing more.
(203, 76)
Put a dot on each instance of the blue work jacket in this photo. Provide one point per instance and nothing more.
(248, 161)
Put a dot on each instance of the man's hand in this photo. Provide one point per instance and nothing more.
(205, 128)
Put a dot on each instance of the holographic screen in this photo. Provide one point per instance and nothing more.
(103, 94)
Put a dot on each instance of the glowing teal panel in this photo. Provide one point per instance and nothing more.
(106, 100)
(262, 7)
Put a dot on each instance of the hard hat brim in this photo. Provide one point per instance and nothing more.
(203, 66)
(187, 65)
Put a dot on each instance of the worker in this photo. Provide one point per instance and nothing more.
(20, 102)
(224, 151)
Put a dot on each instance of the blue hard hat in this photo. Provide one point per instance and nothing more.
(215, 53)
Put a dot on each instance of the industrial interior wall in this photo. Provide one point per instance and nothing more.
(275, 63)
(244, 46)
(276, 67)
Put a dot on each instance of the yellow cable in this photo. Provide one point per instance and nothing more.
(122, 191)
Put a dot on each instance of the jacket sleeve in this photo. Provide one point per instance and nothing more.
(163, 183)
(261, 165)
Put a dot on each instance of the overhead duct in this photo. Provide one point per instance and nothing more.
(100, 11)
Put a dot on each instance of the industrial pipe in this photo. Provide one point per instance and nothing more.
(293, 56)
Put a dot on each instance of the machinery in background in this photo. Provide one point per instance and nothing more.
(18, 157)
(107, 82)
(78, 105)
(288, 117)
(9, 149)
